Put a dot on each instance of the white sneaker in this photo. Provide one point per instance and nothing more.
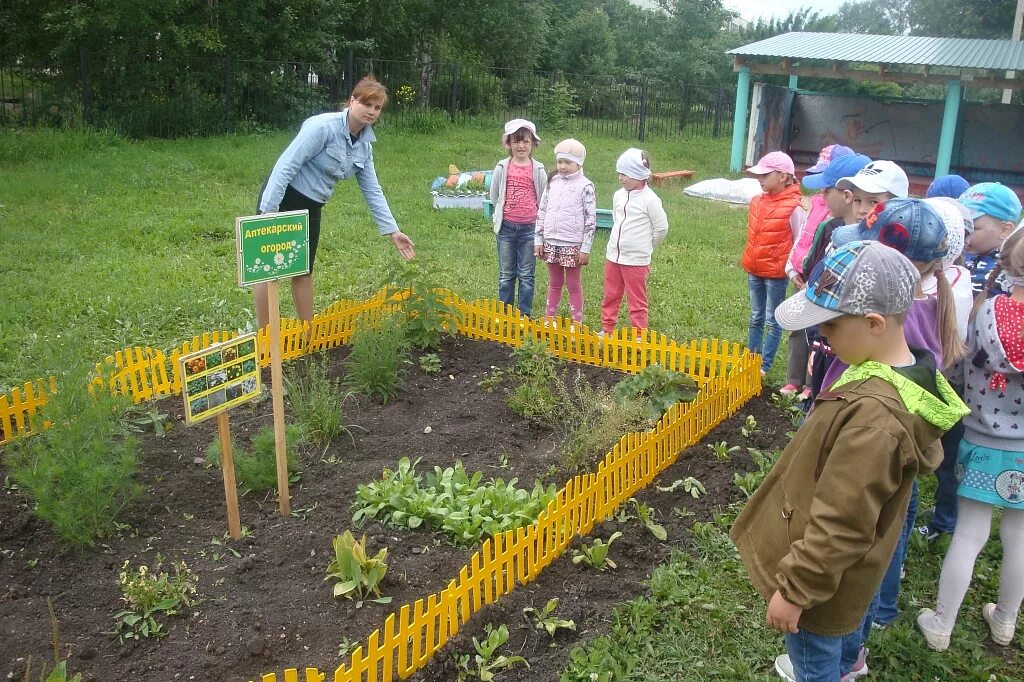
(1002, 633)
(936, 638)
(784, 667)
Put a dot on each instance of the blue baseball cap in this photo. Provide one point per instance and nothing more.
(991, 198)
(843, 167)
(827, 155)
(856, 279)
(950, 186)
(910, 226)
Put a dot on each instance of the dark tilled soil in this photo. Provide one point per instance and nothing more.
(265, 604)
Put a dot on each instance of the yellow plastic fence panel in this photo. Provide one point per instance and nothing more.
(19, 406)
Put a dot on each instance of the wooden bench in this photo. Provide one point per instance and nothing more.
(659, 178)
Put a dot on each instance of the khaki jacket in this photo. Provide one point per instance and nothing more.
(823, 525)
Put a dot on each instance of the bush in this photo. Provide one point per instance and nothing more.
(534, 372)
(428, 317)
(554, 104)
(79, 473)
(378, 358)
(257, 470)
(592, 421)
(316, 400)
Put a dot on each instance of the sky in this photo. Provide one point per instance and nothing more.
(752, 9)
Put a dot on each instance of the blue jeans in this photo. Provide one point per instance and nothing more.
(516, 262)
(853, 642)
(815, 658)
(944, 518)
(765, 296)
(889, 591)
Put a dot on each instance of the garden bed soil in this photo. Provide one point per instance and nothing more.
(265, 604)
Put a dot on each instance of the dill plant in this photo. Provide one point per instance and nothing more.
(79, 472)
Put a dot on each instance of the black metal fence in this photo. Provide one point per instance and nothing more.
(203, 97)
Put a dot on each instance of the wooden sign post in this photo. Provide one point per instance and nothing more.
(271, 247)
(213, 381)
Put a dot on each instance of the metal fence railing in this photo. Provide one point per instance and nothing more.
(202, 97)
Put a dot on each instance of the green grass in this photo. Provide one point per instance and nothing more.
(107, 244)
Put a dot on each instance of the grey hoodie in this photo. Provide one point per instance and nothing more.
(997, 410)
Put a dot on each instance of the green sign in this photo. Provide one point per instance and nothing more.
(220, 377)
(272, 246)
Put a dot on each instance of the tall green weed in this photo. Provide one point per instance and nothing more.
(79, 473)
(316, 400)
(378, 359)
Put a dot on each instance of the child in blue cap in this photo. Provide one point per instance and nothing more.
(995, 210)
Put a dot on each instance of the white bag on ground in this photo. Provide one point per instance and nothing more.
(722, 189)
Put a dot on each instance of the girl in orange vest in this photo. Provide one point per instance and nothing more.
(774, 222)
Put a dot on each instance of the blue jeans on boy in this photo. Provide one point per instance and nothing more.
(516, 262)
(886, 609)
(944, 518)
(766, 293)
(815, 657)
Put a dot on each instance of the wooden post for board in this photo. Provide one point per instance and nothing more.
(277, 395)
(227, 465)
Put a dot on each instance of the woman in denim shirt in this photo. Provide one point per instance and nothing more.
(329, 147)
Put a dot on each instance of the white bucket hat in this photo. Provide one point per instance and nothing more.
(518, 124)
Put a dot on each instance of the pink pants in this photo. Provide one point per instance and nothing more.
(559, 275)
(631, 279)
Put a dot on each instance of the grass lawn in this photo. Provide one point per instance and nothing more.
(107, 244)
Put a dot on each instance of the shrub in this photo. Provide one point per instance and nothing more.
(428, 316)
(378, 358)
(534, 372)
(79, 473)
(554, 104)
(316, 400)
(592, 421)
(662, 387)
(257, 470)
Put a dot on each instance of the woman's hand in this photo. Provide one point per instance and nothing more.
(403, 244)
(538, 251)
(583, 258)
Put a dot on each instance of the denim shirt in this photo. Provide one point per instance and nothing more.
(322, 154)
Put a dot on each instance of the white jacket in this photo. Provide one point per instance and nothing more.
(639, 224)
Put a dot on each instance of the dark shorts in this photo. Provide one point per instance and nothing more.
(294, 200)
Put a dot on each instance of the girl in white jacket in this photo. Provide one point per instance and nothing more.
(639, 224)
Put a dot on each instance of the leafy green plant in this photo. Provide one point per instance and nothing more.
(749, 427)
(553, 104)
(534, 374)
(451, 500)
(596, 555)
(428, 317)
(430, 363)
(645, 515)
(721, 450)
(545, 619)
(357, 574)
(146, 417)
(748, 482)
(79, 473)
(316, 400)
(688, 485)
(591, 421)
(374, 366)
(149, 596)
(791, 405)
(488, 662)
(256, 470)
(662, 387)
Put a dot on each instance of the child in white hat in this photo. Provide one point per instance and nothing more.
(517, 185)
(566, 222)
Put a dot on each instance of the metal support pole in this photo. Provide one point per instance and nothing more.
(739, 121)
(950, 115)
(792, 82)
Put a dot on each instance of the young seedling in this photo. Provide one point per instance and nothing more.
(358, 574)
(545, 619)
(689, 485)
(430, 363)
(487, 663)
(645, 514)
(149, 595)
(749, 427)
(722, 450)
(596, 555)
(748, 482)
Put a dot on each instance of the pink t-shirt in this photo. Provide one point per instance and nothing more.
(520, 195)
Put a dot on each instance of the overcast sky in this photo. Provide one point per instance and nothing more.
(752, 9)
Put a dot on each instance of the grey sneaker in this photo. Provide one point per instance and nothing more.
(936, 638)
(1002, 633)
(784, 667)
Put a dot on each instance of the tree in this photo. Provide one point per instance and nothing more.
(963, 18)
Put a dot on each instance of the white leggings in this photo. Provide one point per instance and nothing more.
(973, 526)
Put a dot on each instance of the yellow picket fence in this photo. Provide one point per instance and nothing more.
(727, 374)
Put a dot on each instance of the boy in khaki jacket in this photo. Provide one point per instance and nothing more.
(818, 535)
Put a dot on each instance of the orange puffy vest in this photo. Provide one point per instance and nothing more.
(769, 238)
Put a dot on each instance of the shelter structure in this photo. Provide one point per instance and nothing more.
(954, 63)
